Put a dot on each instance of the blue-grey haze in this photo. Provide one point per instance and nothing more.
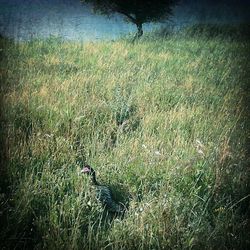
(27, 19)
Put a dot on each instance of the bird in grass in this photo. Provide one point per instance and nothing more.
(103, 193)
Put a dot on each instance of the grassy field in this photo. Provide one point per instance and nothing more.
(164, 122)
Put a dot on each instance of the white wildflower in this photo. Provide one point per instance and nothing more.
(199, 147)
(199, 151)
(157, 153)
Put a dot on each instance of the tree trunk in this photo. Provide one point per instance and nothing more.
(139, 31)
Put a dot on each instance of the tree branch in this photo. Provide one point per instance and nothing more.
(127, 15)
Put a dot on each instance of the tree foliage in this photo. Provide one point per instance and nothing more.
(135, 11)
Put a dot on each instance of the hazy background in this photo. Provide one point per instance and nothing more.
(27, 19)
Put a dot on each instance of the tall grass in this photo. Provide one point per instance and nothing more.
(163, 122)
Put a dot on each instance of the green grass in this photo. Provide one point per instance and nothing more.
(163, 122)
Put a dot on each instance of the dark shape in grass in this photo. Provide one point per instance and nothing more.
(125, 115)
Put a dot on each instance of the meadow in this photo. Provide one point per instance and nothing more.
(163, 121)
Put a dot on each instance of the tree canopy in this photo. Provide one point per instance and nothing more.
(135, 11)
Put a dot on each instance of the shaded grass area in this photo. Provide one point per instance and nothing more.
(163, 121)
(237, 32)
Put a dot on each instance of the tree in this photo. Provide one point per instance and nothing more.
(135, 11)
